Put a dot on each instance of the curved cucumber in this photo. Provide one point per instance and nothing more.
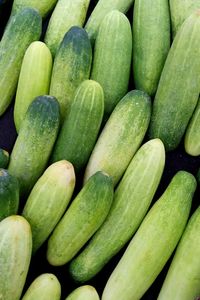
(71, 66)
(15, 255)
(154, 241)
(84, 216)
(85, 292)
(121, 136)
(4, 158)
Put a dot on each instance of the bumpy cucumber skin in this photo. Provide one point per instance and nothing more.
(34, 79)
(151, 42)
(112, 58)
(85, 215)
(72, 65)
(85, 292)
(183, 277)
(23, 28)
(44, 287)
(4, 158)
(154, 241)
(15, 255)
(121, 136)
(179, 85)
(35, 141)
(80, 129)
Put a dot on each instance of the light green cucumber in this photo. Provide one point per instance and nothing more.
(154, 241)
(80, 129)
(121, 136)
(183, 277)
(34, 79)
(23, 28)
(151, 42)
(15, 256)
(179, 86)
(85, 292)
(66, 14)
(82, 219)
(132, 199)
(112, 58)
(4, 158)
(35, 141)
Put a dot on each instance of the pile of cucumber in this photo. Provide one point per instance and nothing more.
(101, 93)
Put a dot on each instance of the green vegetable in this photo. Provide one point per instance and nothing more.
(85, 292)
(4, 158)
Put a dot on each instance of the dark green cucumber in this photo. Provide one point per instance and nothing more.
(35, 141)
(80, 129)
(121, 136)
(154, 241)
(85, 292)
(151, 42)
(4, 158)
(112, 58)
(84, 216)
(23, 28)
(179, 86)
(71, 66)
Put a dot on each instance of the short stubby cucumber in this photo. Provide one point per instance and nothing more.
(15, 256)
(72, 65)
(80, 129)
(35, 141)
(34, 79)
(4, 158)
(132, 199)
(121, 136)
(154, 241)
(179, 86)
(85, 292)
(23, 28)
(112, 58)
(82, 219)
(151, 42)
(183, 277)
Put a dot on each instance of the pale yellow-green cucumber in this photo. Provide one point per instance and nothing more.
(85, 292)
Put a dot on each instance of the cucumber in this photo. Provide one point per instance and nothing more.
(192, 135)
(132, 199)
(84, 216)
(71, 66)
(180, 81)
(23, 28)
(151, 42)
(51, 193)
(66, 14)
(154, 241)
(112, 58)
(183, 277)
(34, 79)
(9, 194)
(44, 287)
(35, 141)
(121, 136)
(80, 129)
(85, 292)
(4, 158)
(102, 8)
(15, 255)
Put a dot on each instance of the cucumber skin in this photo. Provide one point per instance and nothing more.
(72, 65)
(180, 81)
(13, 45)
(112, 58)
(15, 256)
(86, 292)
(80, 129)
(34, 79)
(35, 141)
(151, 42)
(84, 216)
(183, 277)
(4, 158)
(147, 254)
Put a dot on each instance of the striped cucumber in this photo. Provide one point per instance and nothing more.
(71, 66)
(151, 42)
(179, 86)
(112, 58)
(85, 292)
(15, 255)
(154, 241)
(23, 28)
(84, 216)
(121, 136)
(4, 158)
(80, 129)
